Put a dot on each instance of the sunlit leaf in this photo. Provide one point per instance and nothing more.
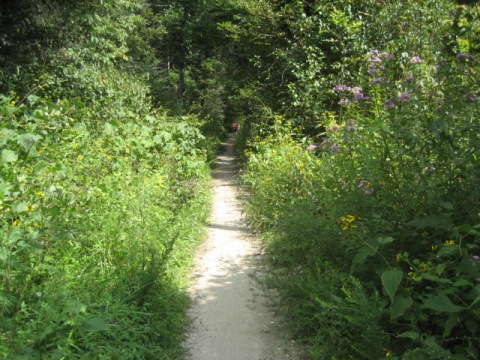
(95, 324)
(9, 156)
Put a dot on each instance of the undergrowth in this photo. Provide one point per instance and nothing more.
(98, 229)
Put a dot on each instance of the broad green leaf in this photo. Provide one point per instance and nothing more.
(441, 268)
(399, 306)
(447, 250)
(108, 129)
(461, 282)
(383, 241)
(15, 236)
(435, 350)
(416, 355)
(7, 134)
(5, 187)
(95, 324)
(391, 279)
(467, 266)
(4, 254)
(446, 205)
(9, 156)
(465, 228)
(440, 222)
(451, 322)
(33, 152)
(75, 307)
(410, 335)
(472, 326)
(28, 140)
(477, 299)
(441, 303)
(21, 206)
(362, 254)
(435, 278)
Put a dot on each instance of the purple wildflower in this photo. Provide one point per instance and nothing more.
(360, 96)
(362, 184)
(387, 55)
(377, 80)
(351, 128)
(357, 93)
(311, 147)
(368, 191)
(340, 87)
(410, 78)
(472, 97)
(372, 71)
(416, 60)
(389, 104)
(404, 97)
(334, 128)
(334, 148)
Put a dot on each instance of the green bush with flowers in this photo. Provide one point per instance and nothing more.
(387, 196)
(98, 228)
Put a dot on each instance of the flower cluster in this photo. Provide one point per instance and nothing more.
(348, 222)
(404, 97)
(472, 97)
(376, 60)
(376, 56)
(389, 104)
(356, 91)
(366, 187)
(416, 60)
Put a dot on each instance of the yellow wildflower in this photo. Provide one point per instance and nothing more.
(449, 242)
(348, 226)
(423, 267)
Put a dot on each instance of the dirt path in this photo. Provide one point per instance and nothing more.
(232, 319)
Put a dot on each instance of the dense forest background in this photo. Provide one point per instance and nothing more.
(359, 144)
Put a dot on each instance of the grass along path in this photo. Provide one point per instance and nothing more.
(232, 319)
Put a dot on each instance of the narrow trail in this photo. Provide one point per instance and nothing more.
(232, 319)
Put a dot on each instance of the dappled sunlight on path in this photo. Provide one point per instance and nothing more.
(231, 317)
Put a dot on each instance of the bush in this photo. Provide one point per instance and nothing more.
(98, 231)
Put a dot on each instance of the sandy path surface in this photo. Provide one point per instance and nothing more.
(232, 319)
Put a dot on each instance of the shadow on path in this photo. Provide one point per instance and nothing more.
(231, 317)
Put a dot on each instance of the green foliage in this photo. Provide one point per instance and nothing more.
(102, 197)
(98, 228)
(334, 312)
(381, 179)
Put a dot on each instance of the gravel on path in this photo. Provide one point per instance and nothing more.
(232, 318)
